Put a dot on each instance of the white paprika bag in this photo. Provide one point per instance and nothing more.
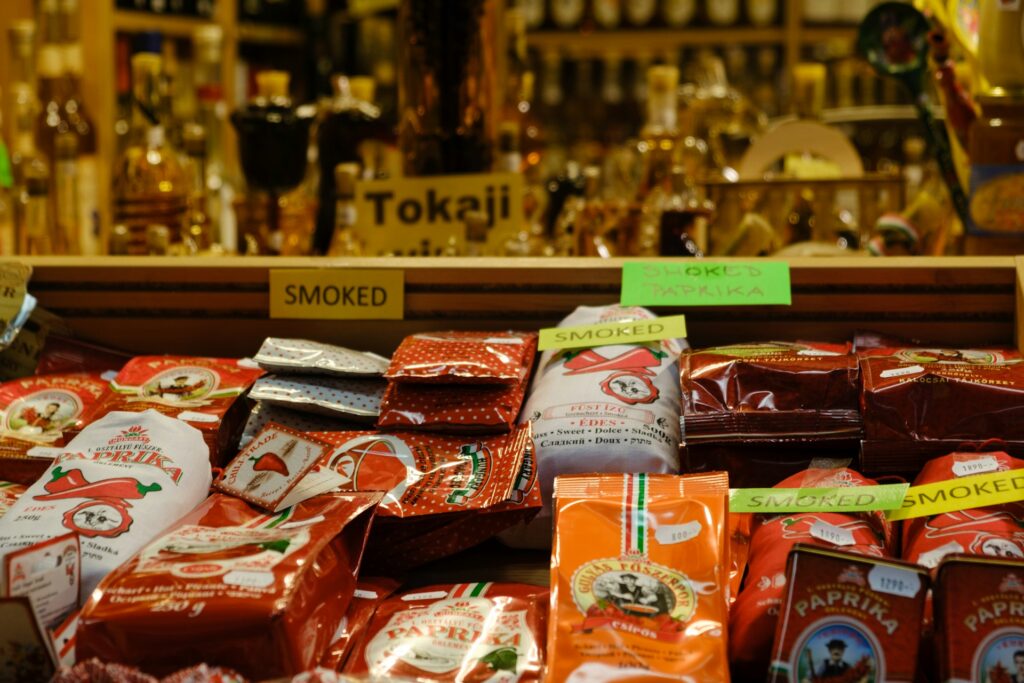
(119, 484)
(606, 409)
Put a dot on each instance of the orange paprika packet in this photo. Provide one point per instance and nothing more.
(639, 578)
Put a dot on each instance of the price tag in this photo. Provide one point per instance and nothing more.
(965, 493)
(705, 283)
(846, 499)
(901, 372)
(894, 581)
(830, 533)
(980, 465)
(335, 294)
(605, 334)
(670, 534)
(49, 574)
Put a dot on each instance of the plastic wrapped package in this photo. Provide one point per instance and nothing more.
(302, 357)
(451, 408)
(263, 414)
(464, 358)
(370, 592)
(343, 399)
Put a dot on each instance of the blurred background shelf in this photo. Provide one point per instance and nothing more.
(266, 34)
(629, 42)
(174, 26)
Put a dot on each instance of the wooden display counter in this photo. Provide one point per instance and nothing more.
(221, 306)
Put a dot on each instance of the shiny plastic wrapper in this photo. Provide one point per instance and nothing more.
(345, 399)
(464, 358)
(263, 414)
(451, 409)
(302, 357)
(369, 594)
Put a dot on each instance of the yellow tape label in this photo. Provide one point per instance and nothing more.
(976, 491)
(606, 334)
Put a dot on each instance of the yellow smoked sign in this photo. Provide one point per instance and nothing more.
(336, 294)
(965, 493)
(410, 216)
(605, 334)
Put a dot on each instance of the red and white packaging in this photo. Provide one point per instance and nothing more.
(9, 495)
(369, 594)
(203, 392)
(609, 409)
(464, 358)
(451, 408)
(44, 410)
(118, 484)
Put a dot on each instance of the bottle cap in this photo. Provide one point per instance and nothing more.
(273, 84)
(363, 88)
(146, 65)
(476, 226)
(193, 136)
(662, 78)
(149, 42)
(345, 176)
(208, 41)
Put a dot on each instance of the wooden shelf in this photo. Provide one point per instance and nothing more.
(810, 35)
(599, 43)
(170, 25)
(266, 34)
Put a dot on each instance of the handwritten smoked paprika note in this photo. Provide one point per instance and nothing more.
(705, 283)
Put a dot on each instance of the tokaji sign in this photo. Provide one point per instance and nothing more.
(705, 283)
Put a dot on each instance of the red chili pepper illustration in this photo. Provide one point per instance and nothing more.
(270, 462)
(72, 484)
(638, 360)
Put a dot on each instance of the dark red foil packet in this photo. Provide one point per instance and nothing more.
(464, 357)
(457, 409)
(919, 403)
(370, 592)
(770, 392)
(847, 617)
(979, 619)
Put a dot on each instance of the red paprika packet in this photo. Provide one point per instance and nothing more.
(756, 610)
(979, 619)
(452, 408)
(996, 530)
(62, 355)
(465, 633)
(920, 403)
(368, 595)
(44, 410)
(204, 392)
(464, 357)
(771, 391)
(9, 494)
(232, 586)
(848, 617)
(639, 578)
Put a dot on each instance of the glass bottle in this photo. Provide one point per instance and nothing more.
(66, 188)
(6, 198)
(35, 229)
(150, 188)
(724, 12)
(509, 158)
(344, 241)
(123, 80)
(350, 119)
(682, 224)
(198, 237)
(640, 12)
(678, 13)
(567, 14)
(50, 70)
(660, 133)
(212, 113)
(608, 13)
(80, 124)
(26, 161)
(476, 233)
(534, 11)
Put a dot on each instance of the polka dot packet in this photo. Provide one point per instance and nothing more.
(464, 357)
(352, 399)
(451, 408)
(264, 413)
(302, 357)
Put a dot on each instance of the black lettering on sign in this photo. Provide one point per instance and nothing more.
(410, 211)
(331, 295)
(307, 297)
(379, 199)
(437, 209)
(289, 295)
(380, 296)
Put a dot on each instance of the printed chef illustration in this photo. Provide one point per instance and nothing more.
(104, 510)
(629, 372)
(838, 654)
(180, 385)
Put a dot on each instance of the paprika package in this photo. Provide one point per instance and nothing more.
(442, 494)
(263, 414)
(979, 619)
(464, 633)
(464, 358)
(9, 494)
(367, 597)
(451, 408)
(755, 612)
(920, 403)
(639, 578)
(42, 411)
(996, 530)
(118, 484)
(608, 409)
(302, 357)
(849, 618)
(332, 397)
(204, 392)
(231, 586)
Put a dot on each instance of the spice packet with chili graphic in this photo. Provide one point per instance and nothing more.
(333, 397)
(452, 408)
(996, 530)
(920, 403)
(755, 612)
(44, 410)
(263, 414)
(9, 495)
(848, 618)
(639, 577)
(370, 592)
(979, 618)
(118, 484)
(232, 586)
(302, 357)
(464, 358)
(770, 392)
(464, 633)
(606, 409)
(204, 392)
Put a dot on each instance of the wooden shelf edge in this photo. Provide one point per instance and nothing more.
(270, 35)
(633, 42)
(822, 34)
(171, 25)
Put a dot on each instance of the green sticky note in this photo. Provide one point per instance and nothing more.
(605, 334)
(705, 283)
(845, 499)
